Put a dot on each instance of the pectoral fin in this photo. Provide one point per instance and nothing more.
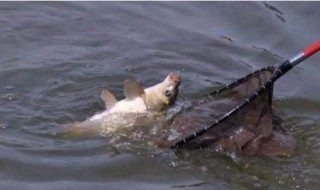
(133, 89)
(108, 98)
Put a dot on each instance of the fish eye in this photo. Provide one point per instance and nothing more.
(167, 93)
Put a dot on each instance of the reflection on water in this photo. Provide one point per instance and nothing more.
(56, 57)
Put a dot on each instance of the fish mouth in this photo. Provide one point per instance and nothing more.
(174, 78)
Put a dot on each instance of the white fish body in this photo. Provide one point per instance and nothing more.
(139, 107)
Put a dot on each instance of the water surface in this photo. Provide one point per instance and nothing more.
(56, 57)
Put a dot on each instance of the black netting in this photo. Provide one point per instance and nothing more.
(253, 130)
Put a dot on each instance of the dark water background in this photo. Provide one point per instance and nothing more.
(56, 57)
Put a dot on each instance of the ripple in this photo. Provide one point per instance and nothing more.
(10, 88)
(9, 97)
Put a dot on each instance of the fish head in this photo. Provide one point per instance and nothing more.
(164, 94)
(171, 87)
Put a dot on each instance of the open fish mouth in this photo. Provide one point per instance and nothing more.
(174, 79)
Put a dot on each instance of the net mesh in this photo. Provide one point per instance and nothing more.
(254, 130)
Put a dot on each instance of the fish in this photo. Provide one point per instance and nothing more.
(139, 107)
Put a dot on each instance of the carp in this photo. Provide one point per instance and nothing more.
(140, 106)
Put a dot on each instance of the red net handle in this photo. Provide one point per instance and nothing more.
(312, 49)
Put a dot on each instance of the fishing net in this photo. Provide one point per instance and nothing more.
(253, 130)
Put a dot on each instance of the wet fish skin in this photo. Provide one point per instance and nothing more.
(141, 105)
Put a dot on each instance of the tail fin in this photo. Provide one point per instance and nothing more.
(78, 130)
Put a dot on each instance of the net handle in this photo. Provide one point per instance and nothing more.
(312, 49)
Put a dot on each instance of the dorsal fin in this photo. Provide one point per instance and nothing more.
(108, 98)
(133, 89)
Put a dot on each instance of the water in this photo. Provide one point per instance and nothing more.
(56, 57)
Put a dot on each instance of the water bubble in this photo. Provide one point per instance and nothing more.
(137, 135)
(203, 169)
(173, 135)
(281, 98)
(255, 178)
(173, 164)
(233, 155)
(150, 143)
(9, 97)
(129, 68)
(280, 181)
(219, 149)
(3, 125)
(126, 146)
